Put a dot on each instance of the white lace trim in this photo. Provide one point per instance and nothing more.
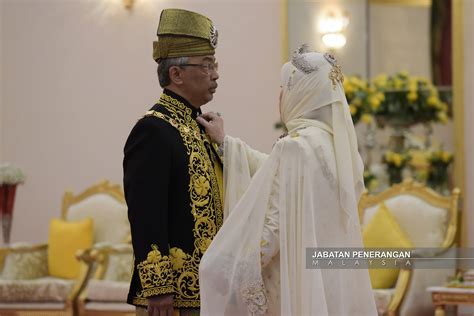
(328, 174)
(255, 298)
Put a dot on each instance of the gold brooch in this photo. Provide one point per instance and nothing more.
(335, 75)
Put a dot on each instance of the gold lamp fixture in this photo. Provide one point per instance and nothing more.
(128, 4)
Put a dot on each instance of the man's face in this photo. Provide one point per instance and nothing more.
(199, 83)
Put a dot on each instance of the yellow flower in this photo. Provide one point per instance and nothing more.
(419, 159)
(348, 88)
(382, 77)
(433, 91)
(389, 156)
(433, 101)
(445, 156)
(381, 81)
(397, 159)
(412, 96)
(397, 83)
(367, 118)
(374, 103)
(357, 102)
(356, 81)
(404, 73)
(381, 84)
(353, 109)
(423, 174)
(373, 184)
(201, 185)
(413, 83)
(443, 107)
(178, 258)
(380, 96)
(423, 80)
(394, 158)
(442, 117)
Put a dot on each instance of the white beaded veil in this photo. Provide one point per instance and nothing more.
(320, 175)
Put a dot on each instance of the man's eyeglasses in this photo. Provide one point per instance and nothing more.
(207, 67)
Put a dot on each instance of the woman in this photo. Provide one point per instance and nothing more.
(303, 195)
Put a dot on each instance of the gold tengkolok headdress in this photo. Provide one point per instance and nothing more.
(183, 33)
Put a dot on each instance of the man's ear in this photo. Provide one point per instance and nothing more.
(175, 75)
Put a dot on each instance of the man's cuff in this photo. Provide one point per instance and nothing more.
(156, 274)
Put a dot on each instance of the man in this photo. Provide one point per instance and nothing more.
(172, 174)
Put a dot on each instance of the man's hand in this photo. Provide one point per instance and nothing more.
(214, 126)
(160, 305)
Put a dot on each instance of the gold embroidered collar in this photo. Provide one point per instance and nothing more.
(182, 105)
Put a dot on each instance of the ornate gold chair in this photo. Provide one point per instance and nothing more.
(107, 289)
(429, 221)
(26, 288)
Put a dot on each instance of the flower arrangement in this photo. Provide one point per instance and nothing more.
(395, 163)
(419, 164)
(11, 175)
(401, 101)
(431, 166)
(440, 160)
(370, 181)
(408, 101)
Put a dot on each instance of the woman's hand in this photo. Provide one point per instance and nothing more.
(214, 125)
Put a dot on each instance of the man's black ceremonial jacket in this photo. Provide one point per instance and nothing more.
(173, 187)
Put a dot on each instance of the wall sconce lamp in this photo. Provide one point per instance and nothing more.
(128, 4)
(332, 26)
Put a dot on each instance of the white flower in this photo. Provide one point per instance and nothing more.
(10, 174)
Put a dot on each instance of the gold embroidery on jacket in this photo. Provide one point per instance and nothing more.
(206, 207)
(156, 273)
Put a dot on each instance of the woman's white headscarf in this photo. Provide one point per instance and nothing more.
(319, 172)
(312, 83)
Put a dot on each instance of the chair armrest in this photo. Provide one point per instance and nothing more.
(416, 300)
(400, 291)
(95, 261)
(95, 258)
(3, 254)
(88, 266)
(24, 261)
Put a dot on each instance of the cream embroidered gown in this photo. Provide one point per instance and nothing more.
(303, 195)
